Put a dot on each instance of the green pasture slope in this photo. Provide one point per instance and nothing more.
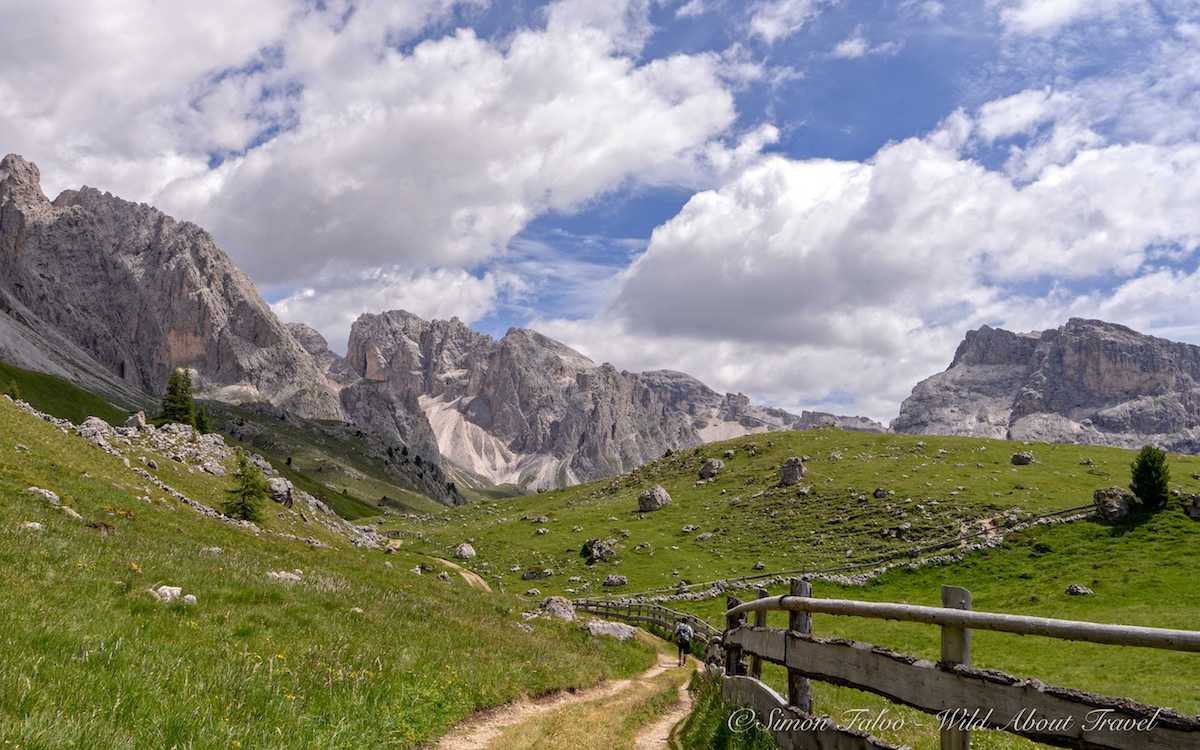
(361, 652)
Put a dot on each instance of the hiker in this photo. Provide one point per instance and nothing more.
(683, 638)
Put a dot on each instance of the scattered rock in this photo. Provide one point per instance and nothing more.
(21, 448)
(560, 608)
(1192, 507)
(32, 526)
(597, 550)
(1086, 462)
(136, 421)
(286, 576)
(281, 491)
(711, 468)
(167, 594)
(1113, 503)
(211, 551)
(541, 531)
(759, 566)
(881, 493)
(444, 577)
(534, 574)
(618, 630)
(704, 537)
(792, 471)
(533, 592)
(688, 529)
(217, 470)
(1076, 589)
(1022, 458)
(729, 454)
(71, 513)
(613, 579)
(356, 610)
(51, 497)
(464, 551)
(655, 498)
(151, 464)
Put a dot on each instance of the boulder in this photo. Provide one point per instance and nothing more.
(711, 468)
(534, 574)
(792, 471)
(51, 497)
(559, 607)
(1076, 589)
(618, 630)
(704, 537)
(1192, 507)
(1113, 503)
(32, 526)
(598, 550)
(214, 468)
(653, 499)
(541, 531)
(464, 551)
(136, 421)
(286, 576)
(880, 493)
(444, 577)
(613, 580)
(1022, 458)
(168, 594)
(729, 454)
(281, 491)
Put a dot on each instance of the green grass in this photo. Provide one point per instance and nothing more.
(708, 726)
(1142, 575)
(58, 397)
(92, 661)
(753, 520)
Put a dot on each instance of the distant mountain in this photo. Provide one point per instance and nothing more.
(1086, 382)
(115, 295)
(530, 411)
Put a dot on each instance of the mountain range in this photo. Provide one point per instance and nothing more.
(115, 295)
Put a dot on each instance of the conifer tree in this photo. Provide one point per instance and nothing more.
(202, 420)
(249, 491)
(1150, 476)
(177, 403)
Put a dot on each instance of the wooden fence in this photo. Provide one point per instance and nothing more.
(962, 697)
(637, 613)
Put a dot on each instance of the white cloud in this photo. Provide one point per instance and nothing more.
(1048, 16)
(778, 19)
(692, 9)
(442, 155)
(856, 46)
(336, 302)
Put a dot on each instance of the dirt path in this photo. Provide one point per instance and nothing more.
(478, 732)
(657, 736)
(473, 579)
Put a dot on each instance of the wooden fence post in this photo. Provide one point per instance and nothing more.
(956, 649)
(799, 690)
(760, 621)
(733, 654)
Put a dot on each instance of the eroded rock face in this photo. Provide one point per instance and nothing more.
(525, 409)
(1086, 382)
(115, 295)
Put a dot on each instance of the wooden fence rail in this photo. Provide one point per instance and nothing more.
(962, 697)
(648, 614)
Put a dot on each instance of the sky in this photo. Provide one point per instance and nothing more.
(808, 201)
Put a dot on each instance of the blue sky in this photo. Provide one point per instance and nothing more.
(810, 201)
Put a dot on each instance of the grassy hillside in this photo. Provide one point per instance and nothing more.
(939, 485)
(1141, 574)
(361, 652)
(56, 396)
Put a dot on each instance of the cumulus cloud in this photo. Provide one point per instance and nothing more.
(856, 46)
(441, 155)
(1048, 16)
(438, 293)
(773, 20)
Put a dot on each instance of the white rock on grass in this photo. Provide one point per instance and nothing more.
(618, 630)
(51, 497)
(168, 594)
(213, 551)
(70, 512)
(32, 526)
(286, 576)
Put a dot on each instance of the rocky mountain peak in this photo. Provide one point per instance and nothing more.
(1086, 381)
(21, 183)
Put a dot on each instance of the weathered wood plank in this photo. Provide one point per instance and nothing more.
(984, 698)
(799, 690)
(792, 729)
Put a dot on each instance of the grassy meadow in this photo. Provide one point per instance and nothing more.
(361, 652)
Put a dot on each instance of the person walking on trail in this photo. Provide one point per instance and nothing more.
(683, 638)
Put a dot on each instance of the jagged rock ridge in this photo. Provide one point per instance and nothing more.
(530, 411)
(1086, 382)
(115, 295)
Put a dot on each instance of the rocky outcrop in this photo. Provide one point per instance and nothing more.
(115, 295)
(1086, 382)
(525, 409)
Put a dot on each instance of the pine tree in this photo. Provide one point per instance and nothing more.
(249, 491)
(202, 420)
(177, 403)
(1150, 477)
